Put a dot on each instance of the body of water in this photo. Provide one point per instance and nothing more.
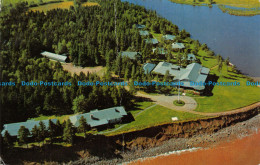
(238, 152)
(237, 37)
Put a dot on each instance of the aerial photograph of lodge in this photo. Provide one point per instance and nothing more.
(199, 98)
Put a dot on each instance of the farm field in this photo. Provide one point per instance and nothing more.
(30, 2)
(60, 5)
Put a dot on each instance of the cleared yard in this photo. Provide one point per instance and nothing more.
(155, 116)
(99, 70)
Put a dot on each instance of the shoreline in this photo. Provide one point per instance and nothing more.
(230, 152)
(231, 133)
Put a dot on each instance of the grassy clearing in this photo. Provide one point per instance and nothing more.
(61, 5)
(252, 5)
(234, 3)
(140, 106)
(99, 70)
(60, 118)
(240, 12)
(30, 2)
(228, 97)
(154, 116)
(158, 36)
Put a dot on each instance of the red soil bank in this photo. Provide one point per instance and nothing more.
(244, 151)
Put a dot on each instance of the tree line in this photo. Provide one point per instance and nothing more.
(41, 133)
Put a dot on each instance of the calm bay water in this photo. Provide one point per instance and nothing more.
(237, 37)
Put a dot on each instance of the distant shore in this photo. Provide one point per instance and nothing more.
(256, 78)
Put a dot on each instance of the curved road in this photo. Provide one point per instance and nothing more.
(190, 104)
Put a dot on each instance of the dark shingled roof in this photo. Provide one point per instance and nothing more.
(100, 117)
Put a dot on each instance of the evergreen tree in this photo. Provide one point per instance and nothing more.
(83, 126)
(79, 104)
(35, 133)
(68, 133)
(51, 130)
(42, 131)
(23, 135)
(7, 140)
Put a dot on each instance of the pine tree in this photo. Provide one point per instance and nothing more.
(35, 133)
(68, 133)
(23, 135)
(83, 126)
(51, 130)
(7, 140)
(59, 129)
(42, 131)
(79, 104)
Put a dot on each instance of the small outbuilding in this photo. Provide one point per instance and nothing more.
(177, 45)
(169, 37)
(131, 55)
(148, 67)
(56, 57)
(151, 41)
(138, 26)
(144, 33)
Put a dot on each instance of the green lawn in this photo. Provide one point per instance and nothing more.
(228, 97)
(158, 36)
(244, 7)
(141, 106)
(155, 116)
(60, 118)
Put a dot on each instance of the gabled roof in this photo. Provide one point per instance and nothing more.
(169, 37)
(13, 128)
(54, 56)
(143, 32)
(148, 67)
(151, 41)
(160, 51)
(100, 117)
(178, 45)
(138, 26)
(131, 55)
(162, 68)
(193, 72)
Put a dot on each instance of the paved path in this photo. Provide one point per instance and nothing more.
(190, 104)
(167, 101)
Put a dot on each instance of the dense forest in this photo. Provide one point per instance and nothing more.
(87, 36)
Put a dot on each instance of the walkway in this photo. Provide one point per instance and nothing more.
(190, 104)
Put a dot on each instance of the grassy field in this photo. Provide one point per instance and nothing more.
(252, 5)
(61, 5)
(7, 2)
(154, 116)
(228, 97)
(60, 118)
(157, 36)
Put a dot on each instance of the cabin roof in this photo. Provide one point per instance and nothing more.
(148, 67)
(13, 128)
(100, 117)
(178, 45)
(54, 56)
